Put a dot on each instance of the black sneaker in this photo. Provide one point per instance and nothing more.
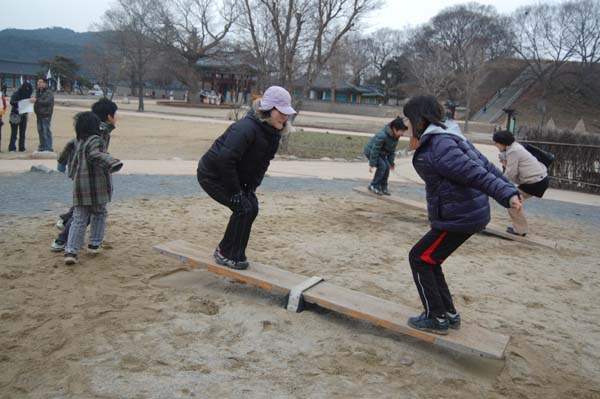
(511, 230)
(385, 191)
(432, 324)
(375, 190)
(93, 249)
(70, 259)
(453, 320)
(232, 264)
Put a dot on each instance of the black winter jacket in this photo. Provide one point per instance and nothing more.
(240, 157)
(44, 105)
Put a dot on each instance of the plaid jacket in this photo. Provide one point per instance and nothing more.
(66, 155)
(90, 169)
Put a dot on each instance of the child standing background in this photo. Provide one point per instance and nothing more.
(381, 152)
(90, 169)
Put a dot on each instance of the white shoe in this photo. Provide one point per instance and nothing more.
(57, 246)
(94, 249)
(60, 224)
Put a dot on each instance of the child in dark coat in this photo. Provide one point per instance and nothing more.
(458, 180)
(381, 152)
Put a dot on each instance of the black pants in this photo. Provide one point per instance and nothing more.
(234, 242)
(20, 129)
(426, 259)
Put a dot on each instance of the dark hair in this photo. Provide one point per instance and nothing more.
(423, 111)
(103, 108)
(504, 137)
(86, 124)
(24, 91)
(398, 124)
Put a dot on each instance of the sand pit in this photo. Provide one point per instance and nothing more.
(103, 329)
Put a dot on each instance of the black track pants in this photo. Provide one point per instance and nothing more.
(426, 259)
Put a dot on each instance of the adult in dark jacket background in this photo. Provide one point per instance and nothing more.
(43, 108)
(381, 153)
(458, 180)
(22, 93)
(234, 166)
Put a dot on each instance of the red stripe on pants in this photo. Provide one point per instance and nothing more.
(426, 256)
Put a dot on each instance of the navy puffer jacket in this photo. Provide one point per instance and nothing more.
(458, 180)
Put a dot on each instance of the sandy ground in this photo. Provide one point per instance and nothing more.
(111, 327)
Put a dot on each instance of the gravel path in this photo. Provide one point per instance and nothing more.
(35, 193)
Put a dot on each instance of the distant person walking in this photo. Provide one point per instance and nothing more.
(381, 153)
(18, 122)
(524, 170)
(43, 107)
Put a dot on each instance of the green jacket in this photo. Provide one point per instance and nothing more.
(383, 144)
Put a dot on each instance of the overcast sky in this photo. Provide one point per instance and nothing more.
(80, 14)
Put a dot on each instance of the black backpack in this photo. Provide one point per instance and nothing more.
(543, 156)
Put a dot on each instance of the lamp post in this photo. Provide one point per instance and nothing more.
(510, 119)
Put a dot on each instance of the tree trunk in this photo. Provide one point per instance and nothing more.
(140, 96)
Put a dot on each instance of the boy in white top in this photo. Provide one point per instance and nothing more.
(524, 170)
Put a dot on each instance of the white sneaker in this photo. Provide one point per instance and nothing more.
(94, 249)
(60, 224)
(57, 246)
(70, 259)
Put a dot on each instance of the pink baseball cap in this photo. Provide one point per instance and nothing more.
(277, 97)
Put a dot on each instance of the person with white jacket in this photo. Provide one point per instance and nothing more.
(524, 170)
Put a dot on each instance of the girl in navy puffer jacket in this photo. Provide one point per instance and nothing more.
(458, 180)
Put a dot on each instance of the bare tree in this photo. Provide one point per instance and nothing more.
(129, 34)
(471, 35)
(584, 34)
(429, 66)
(384, 44)
(256, 36)
(357, 50)
(329, 22)
(541, 38)
(104, 64)
(190, 30)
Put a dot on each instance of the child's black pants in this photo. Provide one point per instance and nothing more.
(426, 259)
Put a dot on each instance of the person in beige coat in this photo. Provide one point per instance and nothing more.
(525, 171)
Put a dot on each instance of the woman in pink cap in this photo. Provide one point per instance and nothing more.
(235, 164)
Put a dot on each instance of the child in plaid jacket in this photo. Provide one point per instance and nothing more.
(90, 169)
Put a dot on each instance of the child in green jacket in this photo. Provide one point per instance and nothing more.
(381, 152)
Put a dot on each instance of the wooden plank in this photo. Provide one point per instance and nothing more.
(267, 277)
(491, 229)
(393, 199)
(469, 339)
